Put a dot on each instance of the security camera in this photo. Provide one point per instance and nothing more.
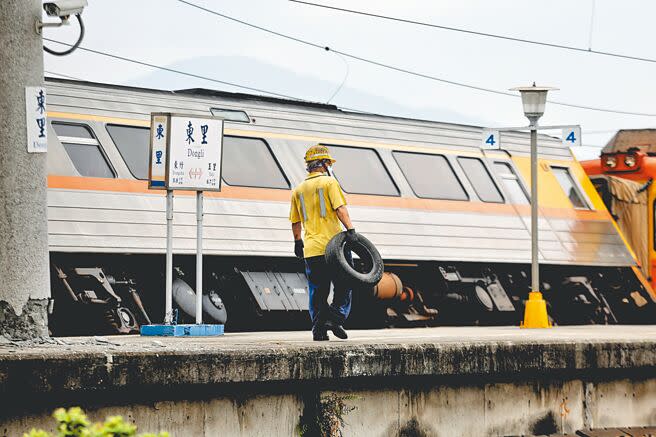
(64, 8)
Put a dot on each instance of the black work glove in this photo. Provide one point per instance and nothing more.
(351, 236)
(298, 248)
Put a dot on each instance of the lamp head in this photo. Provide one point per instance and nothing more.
(534, 99)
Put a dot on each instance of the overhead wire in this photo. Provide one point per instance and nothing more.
(54, 73)
(401, 69)
(346, 75)
(592, 16)
(478, 33)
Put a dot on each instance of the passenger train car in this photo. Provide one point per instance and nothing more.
(451, 220)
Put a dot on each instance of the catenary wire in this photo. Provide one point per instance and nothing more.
(405, 70)
(54, 73)
(346, 75)
(477, 33)
(591, 30)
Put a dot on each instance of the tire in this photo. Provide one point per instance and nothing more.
(369, 256)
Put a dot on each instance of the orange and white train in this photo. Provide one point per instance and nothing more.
(451, 220)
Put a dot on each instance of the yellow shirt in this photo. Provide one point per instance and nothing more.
(314, 202)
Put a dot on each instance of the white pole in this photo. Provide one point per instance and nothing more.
(199, 257)
(168, 314)
(535, 266)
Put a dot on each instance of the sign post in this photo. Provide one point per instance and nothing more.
(199, 257)
(168, 312)
(185, 154)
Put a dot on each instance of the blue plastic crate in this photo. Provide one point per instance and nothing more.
(194, 330)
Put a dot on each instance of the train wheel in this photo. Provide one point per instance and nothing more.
(121, 320)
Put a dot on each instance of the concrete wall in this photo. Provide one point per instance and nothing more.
(418, 409)
(262, 415)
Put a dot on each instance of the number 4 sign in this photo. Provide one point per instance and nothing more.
(572, 136)
(490, 139)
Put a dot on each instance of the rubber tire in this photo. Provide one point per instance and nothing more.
(342, 269)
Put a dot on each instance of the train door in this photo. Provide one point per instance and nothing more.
(629, 203)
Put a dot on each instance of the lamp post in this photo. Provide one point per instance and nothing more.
(534, 99)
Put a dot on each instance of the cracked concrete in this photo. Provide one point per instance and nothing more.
(30, 323)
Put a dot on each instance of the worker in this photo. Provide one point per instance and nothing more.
(318, 205)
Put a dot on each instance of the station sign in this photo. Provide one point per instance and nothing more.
(185, 152)
(35, 119)
(159, 129)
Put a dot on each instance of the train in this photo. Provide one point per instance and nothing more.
(450, 218)
(623, 176)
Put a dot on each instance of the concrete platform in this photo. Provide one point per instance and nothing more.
(292, 356)
(459, 365)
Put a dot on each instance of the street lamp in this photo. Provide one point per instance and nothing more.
(534, 99)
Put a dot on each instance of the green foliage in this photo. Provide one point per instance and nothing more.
(74, 423)
(71, 423)
(327, 417)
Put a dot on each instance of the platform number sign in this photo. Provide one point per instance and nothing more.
(572, 136)
(490, 139)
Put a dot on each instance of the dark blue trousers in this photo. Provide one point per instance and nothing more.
(319, 280)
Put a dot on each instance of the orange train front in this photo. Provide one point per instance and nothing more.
(451, 221)
(623, 176)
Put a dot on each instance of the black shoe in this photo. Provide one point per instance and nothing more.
(337, 329)
(320, 335)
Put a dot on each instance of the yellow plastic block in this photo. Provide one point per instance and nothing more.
(535, 314)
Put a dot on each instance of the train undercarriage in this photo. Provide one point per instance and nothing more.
(114, 294)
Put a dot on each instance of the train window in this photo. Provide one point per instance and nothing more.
(84, 150)
(134, 145)
(361, 171)
(481, 180)
(569, 187)
(248, 162)
(430, 176)
(72, 130)
(511, 184)
(231, 114)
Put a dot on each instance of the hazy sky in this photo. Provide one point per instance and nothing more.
(167, 32)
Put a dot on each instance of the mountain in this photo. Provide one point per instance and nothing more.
(265, 76)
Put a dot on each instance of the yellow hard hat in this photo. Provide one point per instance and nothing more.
(318, 152)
